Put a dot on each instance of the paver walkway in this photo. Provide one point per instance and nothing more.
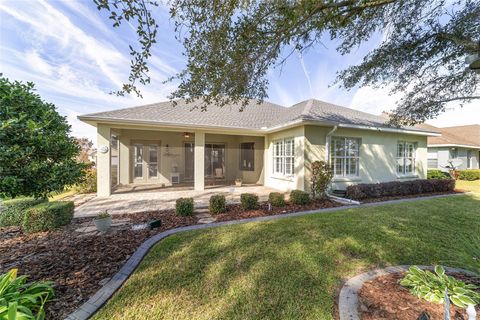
(141, 201)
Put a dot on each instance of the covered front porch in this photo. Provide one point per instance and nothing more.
(136, 159)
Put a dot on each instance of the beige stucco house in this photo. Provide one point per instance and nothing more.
(266, 144)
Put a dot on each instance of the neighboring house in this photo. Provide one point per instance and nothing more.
(461, 143)
(264, 144)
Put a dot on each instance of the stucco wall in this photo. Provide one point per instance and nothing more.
(443, 156)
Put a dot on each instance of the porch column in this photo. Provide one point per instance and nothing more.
(124, 160)
(199, 156)
(104, 182)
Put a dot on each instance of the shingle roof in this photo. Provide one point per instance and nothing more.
(254, 116)
(459, 135)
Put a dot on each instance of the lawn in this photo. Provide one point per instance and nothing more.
(473, 186)
(292, 268)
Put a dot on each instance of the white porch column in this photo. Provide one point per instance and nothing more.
(104, 182)
(124, 160)
(199, 156)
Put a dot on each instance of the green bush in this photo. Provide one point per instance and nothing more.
(437, 174)
(217, 204)
(12, 211)
(184, 207)
(299, 197)
(469, 174)
(88, 183)
(249, 201)
(276, 199)
(22, 300)
(321, 177)
(48, 216)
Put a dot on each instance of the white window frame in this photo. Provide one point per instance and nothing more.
(283, 153)
(345, 158)
(402, 158)
(136, 162)
(156, 163)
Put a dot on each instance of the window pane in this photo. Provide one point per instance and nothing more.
(288, 165)
(247, 156)
(138, 158)
(339, 162)
(138, 170)
(352, 150)
(153, 154)
(152, 170)
(400, 149)
(339, 148)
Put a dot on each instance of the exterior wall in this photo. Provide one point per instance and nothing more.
(443, 156)
(297, 180)
(377, 154)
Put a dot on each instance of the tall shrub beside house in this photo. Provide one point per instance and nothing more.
(321, 177)
(37, 153)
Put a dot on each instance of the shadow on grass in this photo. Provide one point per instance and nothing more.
(290, 268)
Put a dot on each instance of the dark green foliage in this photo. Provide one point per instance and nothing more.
(299, 197)
(249, 201)
(276, 199)
(321, 177)
(12, 211)
(37, 155)
(48, 216)
(217, 204)
(469, 174)
(396, 188)
(437, 174)
(184, 207)
(88, 184)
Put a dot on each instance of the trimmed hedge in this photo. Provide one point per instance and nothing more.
(469, 174)
(299, 197)
(437, 174)
(397, 188)
(184, 207)
(48, 216)
(13, 211)
(249, 201)
(217, 204)
(276, 199)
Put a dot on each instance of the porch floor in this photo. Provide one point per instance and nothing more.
(161, 199)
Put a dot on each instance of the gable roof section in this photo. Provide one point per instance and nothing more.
(263, 117)
(468, 136)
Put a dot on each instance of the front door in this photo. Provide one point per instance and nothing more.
(145, 163)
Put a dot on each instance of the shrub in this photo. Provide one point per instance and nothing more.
(249, 201)
(276, 199)
(431, 287)
(469, 174)
(184, 207)
(437, 174)
(22, 300)
(217, 204)
(88, 183)
(397, 188)
(12, 211)
(48, 216)
(321, 177)
(299, 197)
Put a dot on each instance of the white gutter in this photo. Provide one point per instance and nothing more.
(328, 139)
(395, 130)
(453, 145)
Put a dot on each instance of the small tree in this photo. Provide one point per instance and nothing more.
(37, 154)
(321, 177)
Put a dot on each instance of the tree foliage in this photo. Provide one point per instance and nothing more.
(37, 155)
(231, 45)
(86, 147)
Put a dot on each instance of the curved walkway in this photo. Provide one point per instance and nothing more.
(95, 302)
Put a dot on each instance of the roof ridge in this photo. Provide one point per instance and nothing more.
(307, 108)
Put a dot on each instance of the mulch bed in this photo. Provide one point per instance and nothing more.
(385, 298)
(421, 195)
(235, 211)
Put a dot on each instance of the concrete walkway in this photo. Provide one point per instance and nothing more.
(95, 302)
(141, 201)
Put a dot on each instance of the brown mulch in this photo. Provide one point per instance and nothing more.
(235, 211)
(385, 298)
(421, 195)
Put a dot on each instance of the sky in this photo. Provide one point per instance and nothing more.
(75, 57)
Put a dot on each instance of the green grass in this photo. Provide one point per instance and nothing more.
(473, 186)
(291, 268)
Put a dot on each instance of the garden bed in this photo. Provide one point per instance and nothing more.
(385, 298)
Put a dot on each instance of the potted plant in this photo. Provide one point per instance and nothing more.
(103, 221)
(238, 182)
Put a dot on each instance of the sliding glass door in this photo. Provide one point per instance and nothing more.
(215, 160)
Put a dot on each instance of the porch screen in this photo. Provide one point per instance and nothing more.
(247, 156)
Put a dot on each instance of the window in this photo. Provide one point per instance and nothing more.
(152, 161)
(469, 159)
(344, 155)
(453, 153)
(247, 156)
(138, 158)
(284, 157)
(406, 157)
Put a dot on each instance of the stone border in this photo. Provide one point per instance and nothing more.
(348, 298)
(95, 302)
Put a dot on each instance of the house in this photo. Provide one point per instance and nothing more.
(265, 144)
(460, 143)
